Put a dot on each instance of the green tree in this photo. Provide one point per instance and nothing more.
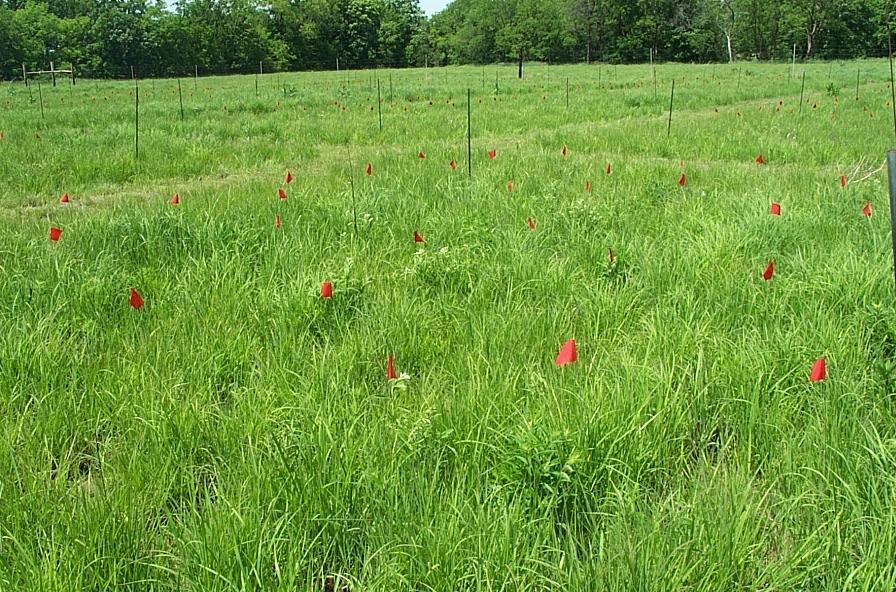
(399, 23)
(358, 32)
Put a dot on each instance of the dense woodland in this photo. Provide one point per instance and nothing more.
(107, 37)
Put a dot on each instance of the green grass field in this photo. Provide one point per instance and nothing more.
(239, 433)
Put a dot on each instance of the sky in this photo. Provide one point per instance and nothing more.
(430, 7)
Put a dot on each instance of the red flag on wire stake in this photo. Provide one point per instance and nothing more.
(682, 180)
(390, 368)
(866, 210)
(326, 290)
(418, 238)
(55, 233)
(843, 182)
(453, 164)
(819, 370)
(64, 199)
(760, 160)
(567, 353)
(136, 300)
(421, 155)
(609, 169)
(175, 199)
(769, 272)
(492, 154)
(775, 209)
(288, 177)
(369, 169)
(281, 194)
(530, 223)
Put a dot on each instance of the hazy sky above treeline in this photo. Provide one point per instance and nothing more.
(431, 7)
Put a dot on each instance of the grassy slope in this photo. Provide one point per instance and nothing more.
(238, 432)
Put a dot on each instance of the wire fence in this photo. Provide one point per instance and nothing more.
(66, 70)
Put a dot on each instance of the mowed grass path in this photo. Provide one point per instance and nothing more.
(239, 433)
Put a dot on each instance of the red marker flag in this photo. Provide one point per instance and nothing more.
(510, 186)
(587, 186)
(421, 155)
(453, 164)
(369, 169)
(531, 223)
(775, 209)
(567, 353)
(843, 181)
(277, 222)
(866, 211)
(609, 169)
(492, 154)
(819, 370)
(390, 368)
(281, 194)
(760, 160)
(611, 256)
(769, 270)
(136, 300)
(418, 238)
(682, 180)
(288, 177)
(563, 151)
(326, 290)
(64, 198)
(55, 233)
(175, 199)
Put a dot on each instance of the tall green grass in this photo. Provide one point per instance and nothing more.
(239, 433)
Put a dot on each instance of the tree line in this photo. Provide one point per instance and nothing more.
(624, 31)
(108, 37)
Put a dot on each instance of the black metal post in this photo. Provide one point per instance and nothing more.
(40, 95)
(180, 95)
(469, 133)
(671, 100)
(379, 103)
(892, 83)
(136, 122)
(891, 173)
(802, 90)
